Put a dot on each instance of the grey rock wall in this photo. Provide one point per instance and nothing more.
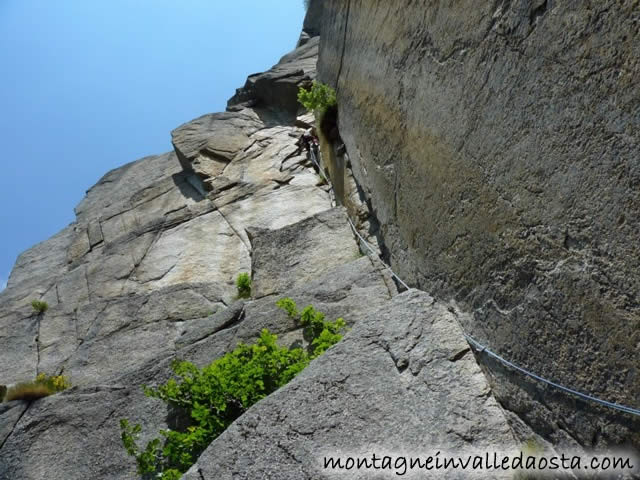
(498, 143)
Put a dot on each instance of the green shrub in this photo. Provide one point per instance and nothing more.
(318, 98)
(320, 334)
(42, 386)
(218, 394)
(39, 306)
(243, 284)
(289, 306)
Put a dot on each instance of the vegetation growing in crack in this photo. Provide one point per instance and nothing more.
(216, 395)
(243, 284)
(320, 333)
(42, 386)
(318, 98)
(39, 306)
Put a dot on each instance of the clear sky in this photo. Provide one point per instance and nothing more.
(88, 85)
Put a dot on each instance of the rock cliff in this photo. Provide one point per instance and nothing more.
(145, 275)
(497, 143)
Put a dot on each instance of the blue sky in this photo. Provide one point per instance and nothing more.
(87, 86)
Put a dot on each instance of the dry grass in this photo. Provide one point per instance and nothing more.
(39, 307)
(28, 391)
(43, 386)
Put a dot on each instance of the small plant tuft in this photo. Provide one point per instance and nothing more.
(288, 306)
(320, 333)
(318, 98)
(42, 386)
(39, 306)
(243, 284)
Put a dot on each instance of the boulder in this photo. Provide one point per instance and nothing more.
(314, 246)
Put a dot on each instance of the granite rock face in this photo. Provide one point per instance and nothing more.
(76, 433)
(146, 274)
(278, 87)
(498, 145)
(403, 381)
(312, 245)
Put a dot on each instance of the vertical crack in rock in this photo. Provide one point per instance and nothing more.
(537, 12)
(232, 227)
(86, 279)
(86, 334)
(384, 274)
(155, 239)
(38, 344)
(75, 324)
(14, 426)
(344, 45)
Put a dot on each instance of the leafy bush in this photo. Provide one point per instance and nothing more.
(42, 386)
(39, 306)
(243, 284)
(318, 98)
(320, 333)
(218, 394)
(288, 306)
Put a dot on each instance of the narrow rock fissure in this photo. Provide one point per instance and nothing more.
(38, 344)
(376, 263)
(344, 45)
(538, 12)
(14, 426)
(86, 279)
(460, 355)
(232, 228)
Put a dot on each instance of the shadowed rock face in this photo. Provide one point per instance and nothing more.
(498, 142)
(277, 88)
